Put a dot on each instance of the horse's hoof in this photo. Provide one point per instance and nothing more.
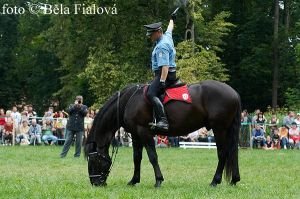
(233, 183)
(158, 184)
(132, 182)
(213, 184)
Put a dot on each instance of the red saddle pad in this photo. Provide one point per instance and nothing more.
(178, 93)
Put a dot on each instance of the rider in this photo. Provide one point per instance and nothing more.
(164, 68)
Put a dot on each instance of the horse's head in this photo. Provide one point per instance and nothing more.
(99, 168)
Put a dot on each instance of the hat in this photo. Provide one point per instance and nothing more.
(294, 123)
(152, 28)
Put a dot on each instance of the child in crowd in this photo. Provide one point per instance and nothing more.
(268, 144)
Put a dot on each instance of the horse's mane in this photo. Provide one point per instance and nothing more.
(90, 142)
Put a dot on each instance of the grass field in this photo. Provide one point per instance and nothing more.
(38, 172)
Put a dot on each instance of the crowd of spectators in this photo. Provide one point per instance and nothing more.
(23, 126)
(270, 134)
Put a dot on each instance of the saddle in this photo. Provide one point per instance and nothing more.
(178, 91)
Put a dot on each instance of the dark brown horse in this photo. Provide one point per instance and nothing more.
(214, 105)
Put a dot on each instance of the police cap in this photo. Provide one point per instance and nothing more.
(152, 28)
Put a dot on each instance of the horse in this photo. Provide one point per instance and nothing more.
(215, 105)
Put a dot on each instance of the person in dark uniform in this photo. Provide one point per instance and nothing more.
(164, 68)
(75, 126)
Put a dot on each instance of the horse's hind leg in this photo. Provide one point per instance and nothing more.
(137, 158)
(151, 151)
(221, 150)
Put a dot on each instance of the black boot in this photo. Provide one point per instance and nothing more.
(161, 119)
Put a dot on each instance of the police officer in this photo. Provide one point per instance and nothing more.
(164, 68)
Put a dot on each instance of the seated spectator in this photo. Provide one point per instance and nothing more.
(35, 131)
(283, 133)
(174, 141)
(8, 132)
(162, 141)
(47, 116)
(273, 124)
(269, 144)
(258, 136)
(205, 136)
(60, 125)
(294, 135)
(48, 136)
(23, 137)
(276, 139)
(191, 137)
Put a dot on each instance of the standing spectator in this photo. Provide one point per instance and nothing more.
(16, 116)
(245, 129)
(254, 118)
(48, 130)
(287, 120)
(88, 121)
(2, 123)
(258, 136)
(75, 126)
(297, 120)
(23, 136)
(35, 131)
(273, 124)
(31, 112)
(294, 135)
(261, 121)
(8, 132)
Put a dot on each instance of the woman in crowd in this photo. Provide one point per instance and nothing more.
(23, 137)
(294, 135)
(8, 132)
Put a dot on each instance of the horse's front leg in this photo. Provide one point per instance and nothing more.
(151, 151)
(137, 158)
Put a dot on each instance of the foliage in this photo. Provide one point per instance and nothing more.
(38, 172)
(199, 65)
(52, 58)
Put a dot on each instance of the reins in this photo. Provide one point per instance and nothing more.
(115, 149)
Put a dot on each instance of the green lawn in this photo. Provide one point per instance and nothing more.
(38, 172)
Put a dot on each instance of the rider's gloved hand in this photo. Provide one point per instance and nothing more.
(162, 86)
(173, 17)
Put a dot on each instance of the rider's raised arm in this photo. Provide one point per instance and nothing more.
(171, 25)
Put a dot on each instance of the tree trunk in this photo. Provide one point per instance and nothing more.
(287, 16)
(275, 56)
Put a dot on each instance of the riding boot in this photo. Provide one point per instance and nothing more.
(161, 119)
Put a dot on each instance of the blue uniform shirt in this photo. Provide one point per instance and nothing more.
(164, 52)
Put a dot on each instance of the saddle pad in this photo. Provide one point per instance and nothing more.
(179, 94)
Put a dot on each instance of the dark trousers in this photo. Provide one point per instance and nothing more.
(69, 139)
(154, 89)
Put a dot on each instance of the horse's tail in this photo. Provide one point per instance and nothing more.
(232, 139)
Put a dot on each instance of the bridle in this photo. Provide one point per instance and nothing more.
(98, 156)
